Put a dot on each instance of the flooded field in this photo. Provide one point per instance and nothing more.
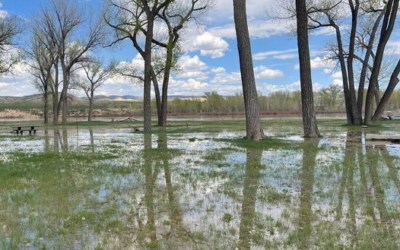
(198, 185)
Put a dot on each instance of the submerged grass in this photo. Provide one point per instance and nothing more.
(198, 185)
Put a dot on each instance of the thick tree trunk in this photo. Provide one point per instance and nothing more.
(342, 62)
(46, 105)
(386, 31)
(307, 98)
(147, 74)
(254, 130)
(357, 120)
(157, 94)
(64, 94)
(364, 70)
(167, 72)
(394, 80)
(55, 106)
(90, 106)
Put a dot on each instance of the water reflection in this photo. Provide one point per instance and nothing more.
(310, 150)
(250, 187)
(317, 195)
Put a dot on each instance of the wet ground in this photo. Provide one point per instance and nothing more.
(199, 186)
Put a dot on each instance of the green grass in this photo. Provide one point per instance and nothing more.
(190, 189)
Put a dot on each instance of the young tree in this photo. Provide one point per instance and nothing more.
(307, 96)
(95, 76)
(254, 130)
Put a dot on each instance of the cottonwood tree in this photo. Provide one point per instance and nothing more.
(174, 17)
(254, 129)
(43, 55)
(94, 77)
(169, 14)
(307, 97)
(74, 36)
(9, 28)
(130, 18)
(364, 43)
(387, 26)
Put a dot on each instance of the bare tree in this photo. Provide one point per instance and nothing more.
(65, 24)
(95, 76)
(9, 29)
(130, 18)
(175, 17)
(389, 20)
(362, 46)
(307, 96)
(254, 130)
(42, 54)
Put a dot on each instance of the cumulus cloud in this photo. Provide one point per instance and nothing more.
(263, 72)
(194, 63)
(208, 45)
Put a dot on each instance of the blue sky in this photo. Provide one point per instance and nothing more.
(210, 61)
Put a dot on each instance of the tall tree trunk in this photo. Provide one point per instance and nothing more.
(46, 104)
(254, 130)
(157, 94)
(386, 31)
(364, 70)
(394, 80)
(167, 72)
(64, 103)
(357, 120)
(55, 96)
(90, 105)
(147, 73)
(55, 105)
(342, 62)
(307, 95)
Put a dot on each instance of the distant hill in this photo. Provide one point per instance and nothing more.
(76, 99)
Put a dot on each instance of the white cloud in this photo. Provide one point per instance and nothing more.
(257, 28)
(276, 54)
(320, 63)
(393, 48)
(263, 72)
(208, 44)
(188, 63)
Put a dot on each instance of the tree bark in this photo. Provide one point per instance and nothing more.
(167, 72)
(307, 98)
(254, 130)
(147, 76)
(157, 94)
(357, 120)
(386, 31)
(64, 93)
(394, 80)
(363, 74)
(90, 105)
(46, 104)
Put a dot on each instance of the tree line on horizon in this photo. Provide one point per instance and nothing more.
(64, 38)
